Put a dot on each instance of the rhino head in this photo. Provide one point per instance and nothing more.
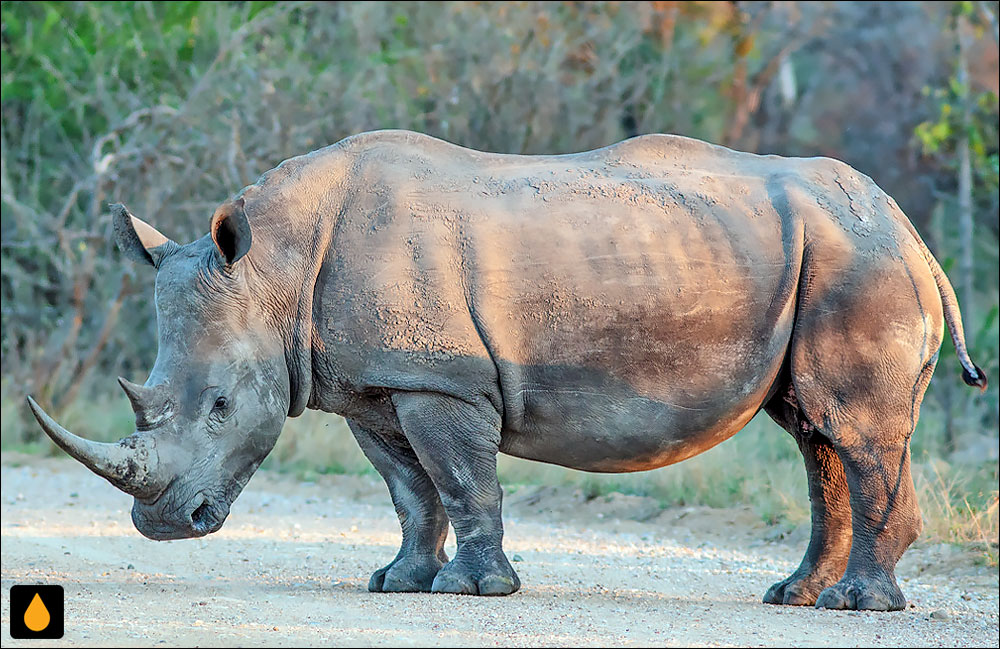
(218, 393)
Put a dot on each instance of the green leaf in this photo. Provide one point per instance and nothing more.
(941, 131)
(51, 18)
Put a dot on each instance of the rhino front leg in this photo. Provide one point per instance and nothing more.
(457, 444)
(421, 515)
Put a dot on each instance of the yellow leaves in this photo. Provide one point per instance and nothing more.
(743, 46)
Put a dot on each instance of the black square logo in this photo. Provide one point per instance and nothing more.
(36, 612)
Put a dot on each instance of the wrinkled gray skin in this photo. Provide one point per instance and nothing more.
(615, 310)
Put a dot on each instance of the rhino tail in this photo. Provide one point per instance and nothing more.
(972, 374)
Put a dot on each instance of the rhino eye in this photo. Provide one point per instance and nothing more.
(221, 404)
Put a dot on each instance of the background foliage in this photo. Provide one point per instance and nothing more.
(172, 107)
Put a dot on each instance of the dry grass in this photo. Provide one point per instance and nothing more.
(960, 505)
(317, 442)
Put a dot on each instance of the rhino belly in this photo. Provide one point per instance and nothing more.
(587, 420)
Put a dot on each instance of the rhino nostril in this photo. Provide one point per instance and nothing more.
(200, 516)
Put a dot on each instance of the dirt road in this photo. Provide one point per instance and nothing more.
(292, 564)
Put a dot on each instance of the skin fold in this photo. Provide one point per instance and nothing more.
(614, 310)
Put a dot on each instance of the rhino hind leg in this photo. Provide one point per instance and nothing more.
(457, 444)
(863, 350)
(885, 514)
(885, 518)
(421, 515)
(886, 521)
(830, 540)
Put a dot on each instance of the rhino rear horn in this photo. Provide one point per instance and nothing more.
(150, 404)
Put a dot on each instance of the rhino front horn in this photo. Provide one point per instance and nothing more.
(130, 464)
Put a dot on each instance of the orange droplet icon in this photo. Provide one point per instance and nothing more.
(36, 617)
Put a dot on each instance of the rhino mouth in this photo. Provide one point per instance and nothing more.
(198, 516)
(173, 516)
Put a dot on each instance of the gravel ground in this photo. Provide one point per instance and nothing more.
(291, 566)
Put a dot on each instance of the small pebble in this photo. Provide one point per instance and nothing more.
(940, 615)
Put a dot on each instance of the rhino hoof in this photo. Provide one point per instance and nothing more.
(498, 585)
(776, 593)
(792, 592)
(406, 575)
(455, 583)
(460, 582)
(862, 595)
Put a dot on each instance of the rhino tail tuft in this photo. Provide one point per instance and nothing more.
(976, 378)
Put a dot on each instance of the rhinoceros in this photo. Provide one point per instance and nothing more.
(616, 310)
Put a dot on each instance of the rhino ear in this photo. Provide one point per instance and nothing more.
(137, 239)
(231, 231)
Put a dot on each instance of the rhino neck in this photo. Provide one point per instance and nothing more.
(293, 211)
